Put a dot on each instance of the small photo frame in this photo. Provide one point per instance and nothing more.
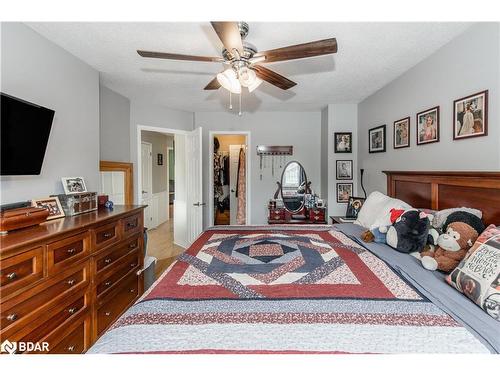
(470, 116)
(353, 207)
(344, 170)
(344, 191)
(160, 159)
(52, 204)
(343, 142)
(73, 185)
(402, 133)
(376, 139)
(428, 126)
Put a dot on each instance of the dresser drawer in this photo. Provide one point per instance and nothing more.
(124, 266)
(109, 311)
(67, 252)
(50, 319)
(24, 308)
(107, 259)
(21, 270)
(73, 342)
(132, 224)
(106, 235)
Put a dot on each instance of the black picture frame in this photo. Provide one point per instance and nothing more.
(160, 159)
(381, 128)
(337, 137)
(338, 176)
(483, 117)
(354, 205)
(438, 124)
(406, 122)
(337, 191)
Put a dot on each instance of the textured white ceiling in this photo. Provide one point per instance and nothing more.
(370, 55)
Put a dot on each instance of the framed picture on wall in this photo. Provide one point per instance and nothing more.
(344, 191)
(343, 142)
(428, 126)
(401, 134)
(376, 139)
(344, 170)
(160, 159)
(470, 116)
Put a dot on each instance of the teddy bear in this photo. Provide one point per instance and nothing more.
(406, 232)
(460, 231)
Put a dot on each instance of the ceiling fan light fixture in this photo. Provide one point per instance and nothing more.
(247, 77)
(255, 84)
(229, 81)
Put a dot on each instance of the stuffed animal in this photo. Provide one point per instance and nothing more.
(378, 232)
(410, 231)
(461, 230)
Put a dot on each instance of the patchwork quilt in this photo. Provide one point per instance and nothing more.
(283, 290)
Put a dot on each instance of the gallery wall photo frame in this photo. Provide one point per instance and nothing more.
(377, 138)
(344, 191)
(470, 116)
(344, 170)
(401, 133)
(342, 142)
(427, 126)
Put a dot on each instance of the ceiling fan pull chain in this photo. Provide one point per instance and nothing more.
(239, 114)
(230, 101)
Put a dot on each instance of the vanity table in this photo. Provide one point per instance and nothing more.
(297, 205)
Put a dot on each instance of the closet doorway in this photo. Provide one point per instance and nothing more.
(229, 185)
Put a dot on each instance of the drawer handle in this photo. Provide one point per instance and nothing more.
(72, 310)
(132, 265)
(71, 251)
(71, 282)
(107, 235)
(131, 225)
(107, 313)
(71, 348)
(12, 276)
(132, 245)
(107, 283)
(316, 217)
(132, 290)
(107, 260)
(12, 317)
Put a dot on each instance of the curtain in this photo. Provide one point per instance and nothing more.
(241, 189)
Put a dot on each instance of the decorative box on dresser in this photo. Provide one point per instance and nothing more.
(67, 280)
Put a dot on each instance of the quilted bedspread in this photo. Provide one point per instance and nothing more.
(283, 290)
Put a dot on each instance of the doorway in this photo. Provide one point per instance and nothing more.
(229, 169)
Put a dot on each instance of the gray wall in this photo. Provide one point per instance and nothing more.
(37, 70)
(114, 118)
(468, 64)
(302, 130)
(147, 114)
(160, 143)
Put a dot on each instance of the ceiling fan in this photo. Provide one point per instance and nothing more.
(243, 58)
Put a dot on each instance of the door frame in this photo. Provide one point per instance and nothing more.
(151, 170)
(127, 169)
(156, 129)
(168, 178)
(248, 180)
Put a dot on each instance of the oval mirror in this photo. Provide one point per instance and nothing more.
(293, 186)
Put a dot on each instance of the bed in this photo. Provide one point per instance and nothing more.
(307, 289)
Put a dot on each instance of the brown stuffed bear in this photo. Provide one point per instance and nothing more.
(461, 230)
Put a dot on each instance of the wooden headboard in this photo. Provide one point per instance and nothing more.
(440, 190)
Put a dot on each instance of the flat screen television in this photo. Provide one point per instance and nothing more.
(25, 130)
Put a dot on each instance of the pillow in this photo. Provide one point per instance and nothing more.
(376, 208)
(478, 274)
(441, 216)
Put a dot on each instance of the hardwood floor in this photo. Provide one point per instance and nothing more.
(161, 245)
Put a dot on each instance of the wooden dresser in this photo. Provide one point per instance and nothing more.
(67, 280)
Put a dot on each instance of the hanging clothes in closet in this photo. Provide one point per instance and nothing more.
(221, 181)
(241, 189)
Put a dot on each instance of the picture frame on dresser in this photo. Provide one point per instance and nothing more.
(52, 204)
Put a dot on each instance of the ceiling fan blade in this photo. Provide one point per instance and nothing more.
(273, 77)
(229, 34)
(212, 85)
(299, 51)
(176, 56)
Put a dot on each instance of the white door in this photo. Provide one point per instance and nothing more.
(234, 157)
(194, 190)
(147, 183)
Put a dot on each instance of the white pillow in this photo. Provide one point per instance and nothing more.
(376, 209)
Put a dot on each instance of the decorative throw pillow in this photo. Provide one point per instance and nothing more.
(478, 274)
(441, 216)
(376, 207)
